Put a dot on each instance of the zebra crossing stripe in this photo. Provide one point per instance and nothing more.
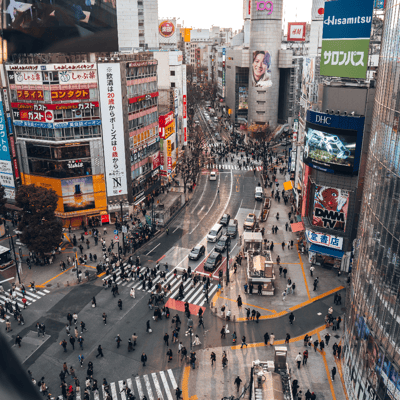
(139, 387)
(103, 391)
(96, 395)
(148, 386)
(213, 289)
(129, 383)
(157, 385)
(121, 390)
(196, 294)
(114, 391)
(173, 381)
(78, 395)
(46, 291)
(29, 296)
(166, 387)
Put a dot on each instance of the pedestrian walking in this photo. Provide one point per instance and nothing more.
(287, 339)
(266, 338)
(305, 357)
(81, 358)
(316, 343)
(299, 359)
(243, 342)
(75, 317)
(120, 304)
(237, 382)
(69, 318)
(143, 359)
(65, 369)
(83, 327)
(18, 340)
(99, 351)
(291, 318)
(312, 268)
(118, 340)
(272, 339)
(104, 318)
(322, 345)
(213, 358)
(223, 332)
(327, 338)
(333, 373)
(316, 280)
(72, 341)
(64, 345)
(284, 272)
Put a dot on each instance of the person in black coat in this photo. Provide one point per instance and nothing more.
(143, 359)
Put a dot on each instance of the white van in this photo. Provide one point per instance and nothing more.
(215, 233)
(213, 176)
(258, 195)
(215, 119)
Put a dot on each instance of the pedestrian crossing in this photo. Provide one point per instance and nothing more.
(233, 166)
(193, 294)
(156, 386)
(30, 296)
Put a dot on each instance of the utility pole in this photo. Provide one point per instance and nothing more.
(123, 235)
(227, 259)
(11, 243)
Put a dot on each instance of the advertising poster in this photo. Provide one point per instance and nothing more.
(156, 160)
(261, 69)
(113, 128)
(77, 194)
(345, 38)
(322, 239)
(308, 75)
(166, 30)
(330, 208)
(65, 27)
(296, 31)
(243, 97)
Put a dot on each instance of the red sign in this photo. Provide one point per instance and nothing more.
(184, 135)
(12, 146)
(29, 115)
(304, 208)
(184, 106)
(30, 94)
(169, 164)
(16, 168)
(142, 63)
(141, 98)
(61, 106)
(161, 158)
(78, 94)
(296, 31)
(166, 29)
(156, 160)
(105, 218)
(165, 120)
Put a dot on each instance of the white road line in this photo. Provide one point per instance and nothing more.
(196, 294)
(96, 395)
(43, 294)
(157, 385)
(5, 280)
(46, 291)
(201, 209)
(113, 391)
(122, 393)
(173, 381)
(166, 387)
(201, 194)
(78, 396)
(213, 289)
(153, 249)
(148, 387)
(129, 383)
(139, 387)
(104, 392)
(176, 228)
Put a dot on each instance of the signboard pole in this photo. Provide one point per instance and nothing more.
(123, 234)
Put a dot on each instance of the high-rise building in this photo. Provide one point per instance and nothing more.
(372, 345)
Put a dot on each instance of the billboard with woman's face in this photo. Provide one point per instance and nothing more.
(261, 69)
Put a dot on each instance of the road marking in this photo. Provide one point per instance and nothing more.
(179, 226)
(5, 280)
(201, 209)
(173, 381)
(251, 305)
(129, 383)
(102, 389)
(139, 387)
(304, 274)
(153, 249)
(157, 385)
(121, 391)
(113, 391)
(327, 371)
(148, 386)
(166, 387)
(200, 196)
(96, 395)
(185, 382)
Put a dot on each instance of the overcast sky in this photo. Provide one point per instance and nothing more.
(224, 13)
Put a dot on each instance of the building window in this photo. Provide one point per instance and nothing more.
(172, 73)
(172, 84)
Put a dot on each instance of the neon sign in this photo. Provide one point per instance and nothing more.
(265, 5)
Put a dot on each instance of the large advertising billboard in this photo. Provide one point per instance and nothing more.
(330, 208)
(167, 32)
(333, 142)
(261, 69)
(308, 78)
(345, 38)
(113, 128)
(296, 31)
(78, 194)
(61, 26)
(243, 97)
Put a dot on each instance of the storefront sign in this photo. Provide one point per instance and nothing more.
(184, 106)
(169, 148)
(73, 77)
(51, 67)
(165, 120)
(142, 63)
(31, 78)
(30, 95)
(6, 102)
(156, 160)
(60, 106)
(166, 29)
(113, 128)
(75, 164)
(143, 97)
(40, 116)
(324, 239)
(169, 164)
(81, 94)
(57, 125)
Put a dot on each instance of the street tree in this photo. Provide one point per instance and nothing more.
(2, 201)
(41, 231)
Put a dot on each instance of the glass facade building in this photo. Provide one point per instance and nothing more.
(371, 365)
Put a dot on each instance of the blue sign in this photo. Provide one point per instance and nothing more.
(4, 148)
(10, 127)
(379, 4)
(115, 231)
(347, 19)
(223, 51)
(58, 125)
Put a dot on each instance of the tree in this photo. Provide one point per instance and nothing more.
(2, 201)
(41, 231)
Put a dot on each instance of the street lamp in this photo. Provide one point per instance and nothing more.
(76, 262)
(227, 259)
(123, 235)
(11, 243)
(190, 331)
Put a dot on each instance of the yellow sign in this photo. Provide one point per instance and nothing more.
(288, 185)
(186, 35)
(169, 148)
(169, 129)
(229, 111)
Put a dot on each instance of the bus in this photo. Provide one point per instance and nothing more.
(6, 260)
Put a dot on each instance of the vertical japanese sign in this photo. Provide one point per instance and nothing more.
(184, 105)
(345, 38)
(169, 156)
(305, 191)
(6, 171)
(113, 128)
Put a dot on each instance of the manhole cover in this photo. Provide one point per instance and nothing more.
(49, 285)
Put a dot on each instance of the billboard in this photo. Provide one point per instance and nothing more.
(333, 142)
(330, 208)
(166, 29)
(78, 194)
(296, 31)
(61, 26)
(243, 97)
(261, 69)
(322, 239)
(184, 92)
(113, 128)
(308, 76)
(345, 38)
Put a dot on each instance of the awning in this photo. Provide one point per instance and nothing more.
(297, 227)
(288, 185)
(328, 251)
(139, 201)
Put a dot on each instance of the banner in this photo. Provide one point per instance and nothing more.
(78, 194)
(261, 69)
(296, 31)
(113, 128)
(60, 106)
(322, 239)
(330, 208)
(345, 38)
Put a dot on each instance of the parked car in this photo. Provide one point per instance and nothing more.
(213, 176)
(222, 243)
(232, 229)
(197, 252)
(225, 219)
(214, 260)
(250, 222)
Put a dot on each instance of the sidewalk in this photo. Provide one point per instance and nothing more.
(206, 382)
(298, 270)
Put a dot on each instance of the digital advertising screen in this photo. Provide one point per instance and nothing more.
(261, 69)
(333, 143)
(61, 26)
(78, 194)
(330, 208)
(243, 97)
